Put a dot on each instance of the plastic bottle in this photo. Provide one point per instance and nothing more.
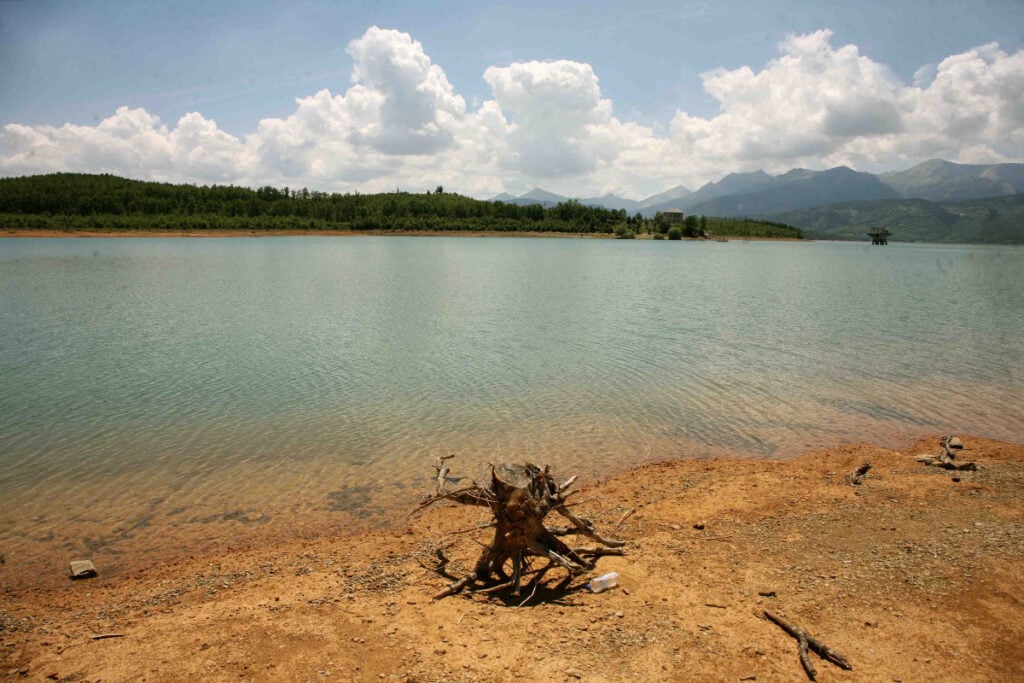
(603, 583)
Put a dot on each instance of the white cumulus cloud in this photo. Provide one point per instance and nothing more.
(132, 142)
(417, 109)
(400, 123)
(819, 105)
(557, 112)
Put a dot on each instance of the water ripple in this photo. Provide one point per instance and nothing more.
(177, 393)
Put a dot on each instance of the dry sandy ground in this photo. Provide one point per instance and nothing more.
(914, 576)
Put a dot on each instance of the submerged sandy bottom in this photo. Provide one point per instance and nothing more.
(133, 519)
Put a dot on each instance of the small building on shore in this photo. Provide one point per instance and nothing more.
(673, 215)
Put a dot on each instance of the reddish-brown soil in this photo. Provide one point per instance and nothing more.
(913, 575)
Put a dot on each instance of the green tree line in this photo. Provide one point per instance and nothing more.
(78, 201)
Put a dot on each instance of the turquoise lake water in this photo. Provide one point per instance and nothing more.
(162, 396)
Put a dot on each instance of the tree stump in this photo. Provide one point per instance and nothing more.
(520, 497)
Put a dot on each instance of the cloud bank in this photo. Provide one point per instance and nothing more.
(401, 124)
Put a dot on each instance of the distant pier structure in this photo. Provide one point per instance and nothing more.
(879, 235)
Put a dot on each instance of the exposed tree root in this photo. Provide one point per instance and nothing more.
(520, 497)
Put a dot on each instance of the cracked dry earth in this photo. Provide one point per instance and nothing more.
(912, 576)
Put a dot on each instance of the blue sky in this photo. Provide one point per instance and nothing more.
(632, 80)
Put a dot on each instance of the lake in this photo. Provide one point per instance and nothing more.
(161, 396)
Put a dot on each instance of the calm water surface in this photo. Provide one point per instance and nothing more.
(162, 396)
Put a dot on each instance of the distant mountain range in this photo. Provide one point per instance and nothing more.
(608, 201)
(942, 181)
(916, 204)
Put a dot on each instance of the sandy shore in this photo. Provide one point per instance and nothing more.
(914, 575)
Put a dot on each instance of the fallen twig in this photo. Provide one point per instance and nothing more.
(805, 640)
(599, 552)
(104, 636)
(495, 588)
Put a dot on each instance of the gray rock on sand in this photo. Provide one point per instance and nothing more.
(82, 569)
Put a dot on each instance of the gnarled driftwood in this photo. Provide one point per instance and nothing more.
(520, 497)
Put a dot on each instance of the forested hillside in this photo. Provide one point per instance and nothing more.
(995, 220)
(81, 201)
(71, 202)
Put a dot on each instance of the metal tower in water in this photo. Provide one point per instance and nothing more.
(879, 235)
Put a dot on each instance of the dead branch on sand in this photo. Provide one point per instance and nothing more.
(805, 641)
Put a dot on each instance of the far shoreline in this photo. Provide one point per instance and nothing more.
(69, 234)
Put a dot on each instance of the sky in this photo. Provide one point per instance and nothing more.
(580, 98)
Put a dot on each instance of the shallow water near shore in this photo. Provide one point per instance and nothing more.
(159, 397)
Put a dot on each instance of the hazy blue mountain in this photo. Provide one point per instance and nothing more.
(613, 201)
(534, 196)
(994, 220)
(608, 201)
(734, 183)
(543, 196)
(798, 189)
(668, 196)
(938, 180)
